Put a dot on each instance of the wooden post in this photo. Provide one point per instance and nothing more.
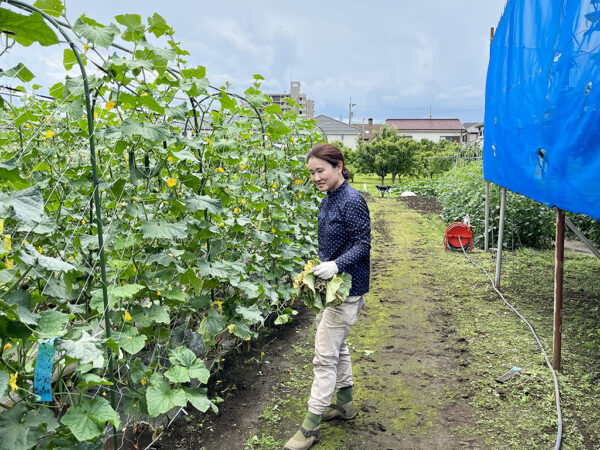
(500, 236)
(558, 286)
(486, 233)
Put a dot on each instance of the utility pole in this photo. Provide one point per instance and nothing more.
(350, 105)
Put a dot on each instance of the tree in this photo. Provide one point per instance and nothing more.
(387, 153)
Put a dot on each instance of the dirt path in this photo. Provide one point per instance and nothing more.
(406, 361)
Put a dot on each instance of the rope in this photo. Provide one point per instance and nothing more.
(556, 390)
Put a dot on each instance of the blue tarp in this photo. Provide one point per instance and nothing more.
(542, 118)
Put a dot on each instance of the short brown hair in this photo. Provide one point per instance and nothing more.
(331, 154)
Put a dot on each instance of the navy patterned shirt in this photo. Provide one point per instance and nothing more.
(345, 235)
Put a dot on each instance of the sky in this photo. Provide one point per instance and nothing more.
(394, 59)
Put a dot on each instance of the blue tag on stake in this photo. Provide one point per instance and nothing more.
(42, 381)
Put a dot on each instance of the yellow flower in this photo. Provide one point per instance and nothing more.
(300, 195)
(158, 293)
(274, 185)
(82, 221)
(27, 125)
(221, 224)
(292, 139)
(49, 134)
(243, 201)
(95, 115)
(9, 264)
(231, 328)
(236, 210)
(143, 381)
(13, 381)
(7, 243)
(243, 166)
(7, 347)
(110, 105)
(144, 94)
(85, 48)
(40, 249)
(171, 182)
(170, 159)
(209, 141)
(272, 230)
(220, 170)
(268, 133)
(127, 315)
(299, 181)
(135, 199)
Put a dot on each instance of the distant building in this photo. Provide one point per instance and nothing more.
(435, 130)
(335, 130)
(305, 107)
(474, 131)
(368, 130)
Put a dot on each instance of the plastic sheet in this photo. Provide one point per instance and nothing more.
(542, 117)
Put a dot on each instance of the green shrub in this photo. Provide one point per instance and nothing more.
(425, 187)
(527, 222)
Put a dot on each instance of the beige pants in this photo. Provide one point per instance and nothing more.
(331, 364)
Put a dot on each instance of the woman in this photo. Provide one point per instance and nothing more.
(344, 246)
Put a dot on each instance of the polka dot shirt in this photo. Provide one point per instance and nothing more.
(345, 235)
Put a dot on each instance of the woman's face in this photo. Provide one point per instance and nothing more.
(326, 177)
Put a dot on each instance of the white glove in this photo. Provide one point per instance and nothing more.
(326, 270)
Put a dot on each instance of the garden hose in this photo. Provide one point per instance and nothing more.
(556, 391)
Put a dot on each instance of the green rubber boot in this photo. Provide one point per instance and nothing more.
(307, 435)
(343, 409)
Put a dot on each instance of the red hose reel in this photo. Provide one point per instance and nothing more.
(458, 236)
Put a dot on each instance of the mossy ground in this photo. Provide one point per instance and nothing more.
(427, 350)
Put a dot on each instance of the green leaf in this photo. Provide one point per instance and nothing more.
(204, 203)
(3, 383)
(21, 429)
(227, 102)
(250, 315)
(19, 71)
(86, 349)
(241, 330)
(212, 324)
(28, 29)
(13, 330)
(130, 340)
(116, 294)
(9, 173)
(69, 59)
(135, 28)
(57, 90)
(87, 420)
(195, 72)
(159, 230)
(148, 316)
(158, 25)
(178, 374)
(182, 355)
(277, 129)
(96, 33)
(157, 132)
(32, 257)
(51, 7)
(161, 398)
(198, 398)
(23, 299)
(137, 100)
(26, 205)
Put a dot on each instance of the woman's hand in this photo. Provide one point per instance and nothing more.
(326, 270)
